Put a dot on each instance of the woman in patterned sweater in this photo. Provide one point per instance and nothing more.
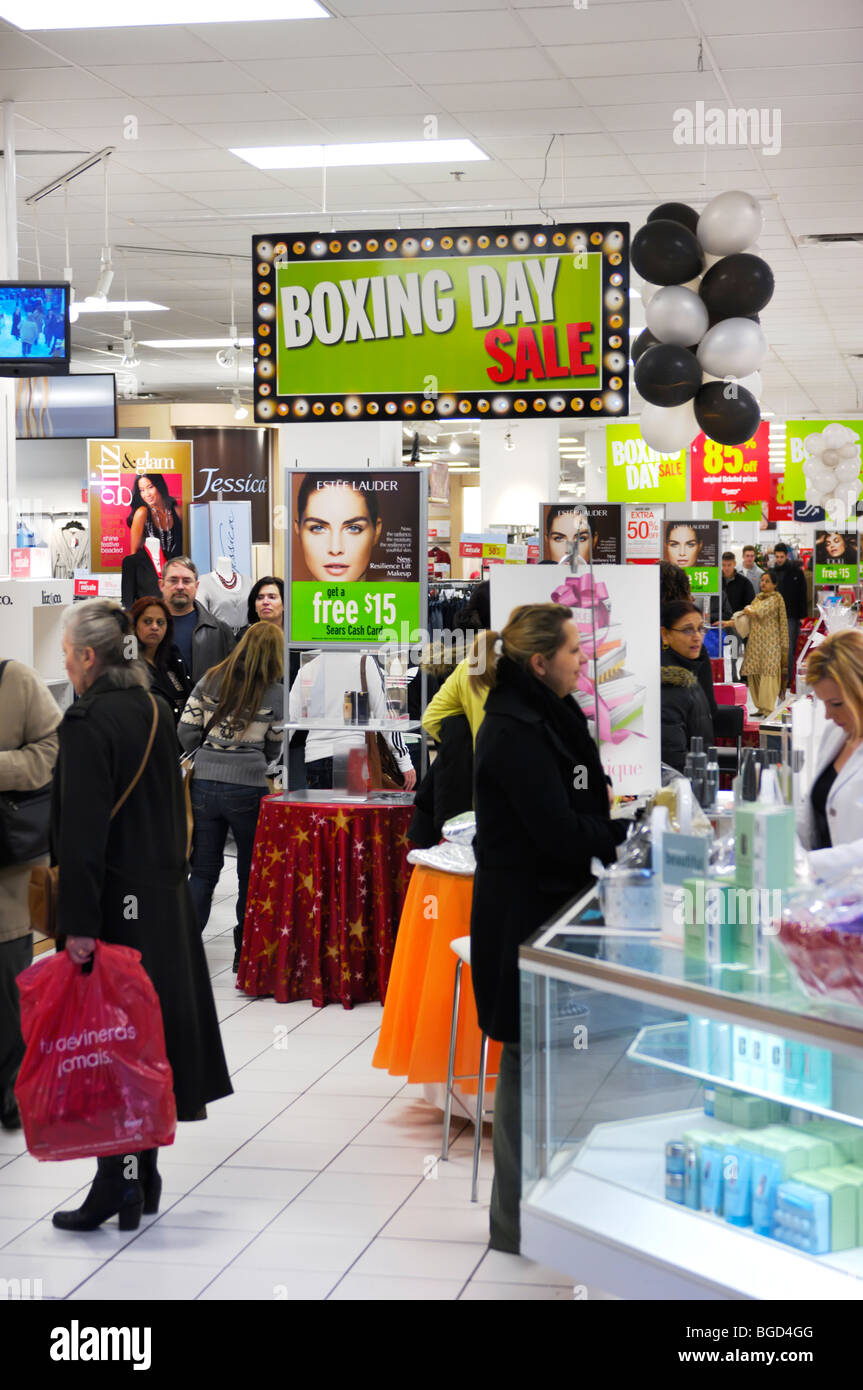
(234, 716)
(767, 648)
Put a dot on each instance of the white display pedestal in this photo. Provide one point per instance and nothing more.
(31, 620)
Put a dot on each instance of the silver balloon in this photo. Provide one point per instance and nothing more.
(734, 347)
(676, 315)
(730, 222)
(668, 429)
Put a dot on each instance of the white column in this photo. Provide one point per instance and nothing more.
(595, 475)
(515, 482)
(8, 271)
(364, 443)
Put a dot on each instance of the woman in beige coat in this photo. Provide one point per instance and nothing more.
(29, 717)
(767, 647)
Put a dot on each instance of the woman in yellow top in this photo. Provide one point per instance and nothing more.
(767, 647)
(457, 695)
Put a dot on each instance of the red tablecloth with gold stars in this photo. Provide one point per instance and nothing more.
(326, 889)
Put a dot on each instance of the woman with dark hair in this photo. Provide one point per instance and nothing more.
(834, 548)
(565, 527)
(153, 627)
(337, 527)
(266, 603)
(673, 583)
(154, 515)
(542, 813)
(683, 545)
(234, 716)
(685, 707)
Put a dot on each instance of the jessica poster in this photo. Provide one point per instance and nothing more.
(355, 564)
(139, 491)
(618, 618)
(594, 530)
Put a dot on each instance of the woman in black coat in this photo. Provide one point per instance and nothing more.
(542, 810)
(686, 710)
(123, 880)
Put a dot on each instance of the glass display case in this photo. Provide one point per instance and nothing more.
(689, 1130)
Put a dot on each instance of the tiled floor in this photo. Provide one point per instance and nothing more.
(317, 1179)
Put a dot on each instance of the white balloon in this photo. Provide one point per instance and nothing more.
(848, 470)
(668, 429)
(850, 451)
(730, 222)
(677, 315)
(814, 497)
(830, 458)
(834, 436)
(734, 347)
(813, 443)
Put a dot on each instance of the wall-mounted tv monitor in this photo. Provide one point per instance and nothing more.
(34, 328)
(66, 407)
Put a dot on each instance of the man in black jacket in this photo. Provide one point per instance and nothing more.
(203, 640)
(791, 583)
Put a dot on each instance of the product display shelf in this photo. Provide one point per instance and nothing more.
(667, 1045)
(608, 1083)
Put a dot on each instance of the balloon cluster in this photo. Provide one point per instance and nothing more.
(696, 361)
(832, 466)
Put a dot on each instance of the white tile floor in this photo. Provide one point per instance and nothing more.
(310, 1182)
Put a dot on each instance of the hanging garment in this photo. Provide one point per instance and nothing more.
(70, 548)
(229, 603)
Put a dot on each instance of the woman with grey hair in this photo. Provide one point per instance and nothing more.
(123, 876)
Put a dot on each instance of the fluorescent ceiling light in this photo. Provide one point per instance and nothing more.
(342, 156)
(106, 14)
(181, 344)
(117, 306)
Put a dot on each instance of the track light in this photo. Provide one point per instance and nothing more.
(106, 276)
(129, 347)
(227, 357)
(508, 442)
(455, 447)
(240, 411)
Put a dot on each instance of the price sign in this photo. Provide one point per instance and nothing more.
(643, 535)
(836, 574)
(731, 472)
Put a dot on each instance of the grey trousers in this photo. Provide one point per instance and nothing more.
(504, 1215)
(15, 956)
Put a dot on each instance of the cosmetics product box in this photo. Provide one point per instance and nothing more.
(697, 1138)
(674, 1187)
(802, 1217)
(774, 1064)
(707, 924)
(767, 1176)
(852, 1174)
(710, 1178)
(764, 845)
(757, 1060)
(741, 1046)
(708, 1095)
(820, 1153)
(723, 1105)
(699, 1043)
(843, 1206)
(750, 1112)
(792, 1158)
(721, 1045)
(848, 1139)
(816, 1083)
(793, 1070)
(737, 1185)
(691, 1179)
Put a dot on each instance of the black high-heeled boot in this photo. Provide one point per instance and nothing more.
(112, 1194)
(150, 1180)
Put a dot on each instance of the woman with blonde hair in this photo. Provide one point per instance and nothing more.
(234, 717)
(830, 820)
(542, 813)
(767, 647)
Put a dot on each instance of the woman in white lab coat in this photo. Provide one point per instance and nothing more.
(830, 820)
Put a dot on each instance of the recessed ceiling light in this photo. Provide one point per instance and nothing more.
(181, 344)
(342, 156)
(117, 306)
(105, 14)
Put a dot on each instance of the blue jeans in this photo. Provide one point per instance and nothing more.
(220, 807)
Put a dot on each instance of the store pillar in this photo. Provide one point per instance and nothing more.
(519, 469)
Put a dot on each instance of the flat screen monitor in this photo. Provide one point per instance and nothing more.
(34, 328)
(82, 406)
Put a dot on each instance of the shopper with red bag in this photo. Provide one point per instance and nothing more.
(122, 879)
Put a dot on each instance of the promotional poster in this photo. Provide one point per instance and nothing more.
(618, 619)
(836, 557)
(637, 473)
(139, 490)
(496, 321)
(643, 535)
(355, 563)
(694, 545)
(731, 472)
(594, 530)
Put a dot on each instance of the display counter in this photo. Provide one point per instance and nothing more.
(689, 1130)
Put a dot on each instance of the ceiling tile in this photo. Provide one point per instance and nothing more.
(384, 101)
(250, 134)
(238, 106)
(564, 120)
(72, 115)
(474, 28)
(150, 44)
(757, 88)
(171, 79)
(501, 96)
(622, 60)
(325, 74)
(685, 88)
(815, 45)
(301, 38)
(494, 65)
(608, 24)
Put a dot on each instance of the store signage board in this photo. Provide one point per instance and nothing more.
(231, 534)
(637, 473)
(728, 472)
(503, 322)
(117, 468)
(781, 504)
(796, 454)
(617, 610)
(595, 528)
(694, 545)
(737, 511)
(353, 563)
(642, 536)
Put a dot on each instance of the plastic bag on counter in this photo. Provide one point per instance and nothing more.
(822, 936)
(460, 830)
(629, 898)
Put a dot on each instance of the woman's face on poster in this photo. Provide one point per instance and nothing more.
(566, 528)
(682, 546)
(337, 534)
(834, 544)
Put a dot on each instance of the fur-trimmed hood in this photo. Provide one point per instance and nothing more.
(677, 675)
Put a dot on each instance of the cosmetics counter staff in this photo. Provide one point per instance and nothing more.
(830, 821)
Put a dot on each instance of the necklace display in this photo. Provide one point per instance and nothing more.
(228, 583)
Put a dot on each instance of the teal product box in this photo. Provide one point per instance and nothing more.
(843, 1205)
(710, 1178)
(766, 1179)
(740, 1055)
(699, 1043)
(774, 1065)
(816, 1083)
(757, 1060)
(737, 1185)
(691, 1179)
(802, 1218)
(707, 924)
(720, 1050)
(793, 1078)
(764, 845)
(709, 1094)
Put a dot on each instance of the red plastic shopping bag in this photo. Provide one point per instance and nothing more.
(95, 1079)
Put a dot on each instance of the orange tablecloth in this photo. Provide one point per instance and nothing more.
(415, 1033)
(326, 887)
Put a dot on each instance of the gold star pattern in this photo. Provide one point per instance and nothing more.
(357, 929)
(267, 906)
(341, 821)
(332, 952)
(269, 951)
(346, 974)
(308, 882)
(274, 857)
(402, 839)
(302, 837)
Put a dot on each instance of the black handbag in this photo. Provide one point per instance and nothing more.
(24, 821)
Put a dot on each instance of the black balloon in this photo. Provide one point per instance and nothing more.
(727, 412)
(644, 340)
(737, 286)
(676, 212)
(667, 374)
(665, 253)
